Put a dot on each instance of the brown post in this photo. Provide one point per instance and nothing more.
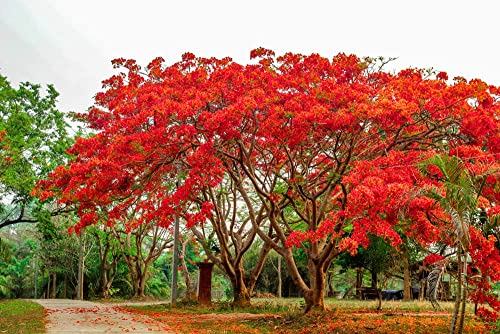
(205, 282)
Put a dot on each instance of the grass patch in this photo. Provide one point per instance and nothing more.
(21, 317)
(284, 316)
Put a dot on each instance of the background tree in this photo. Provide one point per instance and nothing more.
(140, 247)
(33, 138)
(109, 256)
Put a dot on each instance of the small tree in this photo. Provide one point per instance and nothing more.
(459, 194)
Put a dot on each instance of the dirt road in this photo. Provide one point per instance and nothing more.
(75, 316)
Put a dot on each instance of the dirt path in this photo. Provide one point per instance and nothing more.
(75, 316)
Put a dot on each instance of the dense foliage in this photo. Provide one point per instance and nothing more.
(33, 139)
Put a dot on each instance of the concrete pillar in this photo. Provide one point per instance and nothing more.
(205, 282)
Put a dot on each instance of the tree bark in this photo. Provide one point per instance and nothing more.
(349, 291)
(331, 293)
(241, 294)
(315, 295)
(407, 279)
(47, 295)
(190, 295)
(458, 292)
(421, 294)
(81, 270)
(280, 283)
(65, 287)
(374, 279)
(464, 296)
(252, 277)
(359, 282)
(54, 285)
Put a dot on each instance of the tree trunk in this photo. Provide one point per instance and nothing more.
(379, 299)
(135, 284)
(54, 285)
(407, 279)
(81, 270)
(47, 295)
(108, 273)
(331, 293)
(464, 296)
(280, 283)
(241, 295)
(139, 276)
(142, 286)
(359, 282)
(65, 288)
(315, 295)
(349, 291)
(421, 294)
(190, 295)
(374, 279)
(251, 278)
(104, 282)
(458, 292)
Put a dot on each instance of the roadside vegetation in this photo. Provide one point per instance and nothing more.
(21, 317)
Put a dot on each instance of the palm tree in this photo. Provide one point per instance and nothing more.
(460, 199)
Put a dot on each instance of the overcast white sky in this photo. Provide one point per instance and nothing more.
(71, 43)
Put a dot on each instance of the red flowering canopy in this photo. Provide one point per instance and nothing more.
(330, 147)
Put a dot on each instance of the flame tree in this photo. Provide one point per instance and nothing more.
(330, 148)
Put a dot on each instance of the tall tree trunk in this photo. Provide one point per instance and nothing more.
(54, 286)
(280, 283)
(464, 296)
(458, 295)
(47, 295)
(81, 270)
(421, 293)
(65, 287)
(190, 295)
(407, 279)
(135, 284)
(104, 282)
(253, 276)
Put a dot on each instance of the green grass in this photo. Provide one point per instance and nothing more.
(21, 317)
(280, 305)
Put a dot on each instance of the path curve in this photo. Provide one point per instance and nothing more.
(78, 316)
